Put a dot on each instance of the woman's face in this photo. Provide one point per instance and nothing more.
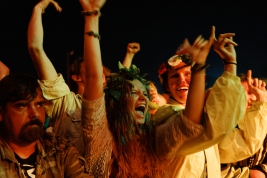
(178, 83)
(139, 100)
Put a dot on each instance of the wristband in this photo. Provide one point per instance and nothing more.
(91, 33)
(199, 67)
(225, 63)
(89, 13)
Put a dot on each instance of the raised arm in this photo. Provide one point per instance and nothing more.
(224, 46)
(196, 94)
(227, 95)
(43, 65)
(4, 70)
(178, 131)
(92, 54)
(132, 49)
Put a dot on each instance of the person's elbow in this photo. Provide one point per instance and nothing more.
(34, 50)
(4, 70)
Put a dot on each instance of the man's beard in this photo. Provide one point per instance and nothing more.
(31, 131)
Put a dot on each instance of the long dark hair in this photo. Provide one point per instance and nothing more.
(130, 138)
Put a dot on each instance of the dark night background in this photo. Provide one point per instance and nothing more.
(159, 27)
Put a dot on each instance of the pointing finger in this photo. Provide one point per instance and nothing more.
(249, 77)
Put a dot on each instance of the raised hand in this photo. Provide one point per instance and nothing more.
(92, 4)
(200, 48)
(44, 3)
(133, 48)
(224, 46)
(257, 87)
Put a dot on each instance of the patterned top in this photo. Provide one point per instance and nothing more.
(246, 140)
(170, 135)
(257, 161)
(55, 157)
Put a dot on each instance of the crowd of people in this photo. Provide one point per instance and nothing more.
(117, 124)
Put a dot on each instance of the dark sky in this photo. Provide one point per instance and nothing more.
(159, 27)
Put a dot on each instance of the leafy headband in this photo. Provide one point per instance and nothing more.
(115, 80)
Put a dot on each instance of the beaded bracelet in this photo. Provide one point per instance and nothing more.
(88, 13)
(199, 67)
(225, 63)
(91, 33)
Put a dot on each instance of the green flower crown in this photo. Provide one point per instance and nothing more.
(115, 80)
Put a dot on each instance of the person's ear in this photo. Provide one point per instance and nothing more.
(104, 78)
(76, 78)
(1, 114)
